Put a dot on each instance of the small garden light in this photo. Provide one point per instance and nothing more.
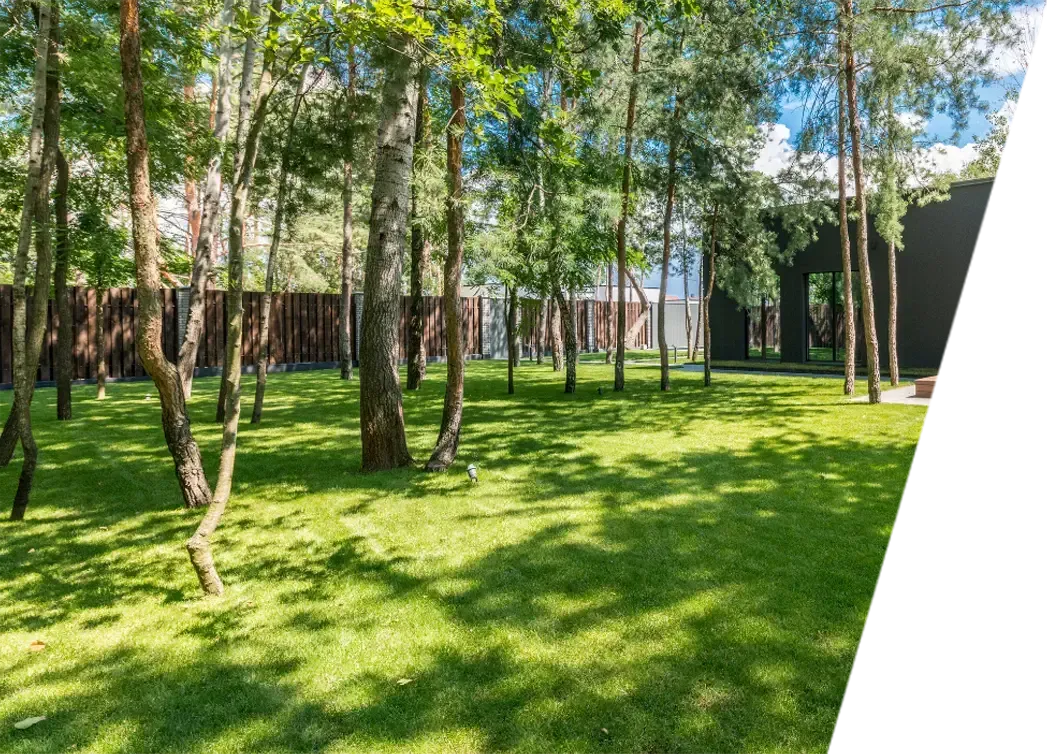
(471, 471)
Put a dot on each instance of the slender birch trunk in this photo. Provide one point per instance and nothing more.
(667, 235)
(20, 263)
(27, 340)
(348, 261)
(101, 368)
(623, 262)
(454, 392)
(416, 355)
(262, 366)
(242, 135)
(570, 338)
(707, 333)
(845, 240)
(513, 331)
(204, 247)
(872, 350)
(892, 315)
(542, 325)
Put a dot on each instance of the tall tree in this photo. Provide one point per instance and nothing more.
(27, 328)
(383, 438)
(175, 419)
(627, 167)
(416, 355)
(454, 392)
(63, 356)
(849, 338)
(262, 366)
(872, 348)
(205, 247)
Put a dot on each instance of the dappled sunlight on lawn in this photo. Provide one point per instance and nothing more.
(641, 571)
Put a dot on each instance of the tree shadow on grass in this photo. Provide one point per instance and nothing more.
(705, 599)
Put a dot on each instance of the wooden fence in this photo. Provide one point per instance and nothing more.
(601, 336)
(303, 330)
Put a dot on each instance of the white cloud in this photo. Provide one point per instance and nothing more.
(1014, 59)
(944, 158)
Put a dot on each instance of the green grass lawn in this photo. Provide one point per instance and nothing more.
(687, 571)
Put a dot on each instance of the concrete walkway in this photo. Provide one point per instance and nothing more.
(906, 395)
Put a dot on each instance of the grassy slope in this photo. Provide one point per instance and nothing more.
(682, 571)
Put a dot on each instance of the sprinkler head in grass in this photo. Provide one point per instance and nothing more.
(471, 471)
(599, 391)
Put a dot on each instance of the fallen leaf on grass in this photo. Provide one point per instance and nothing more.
(37, 646)
(29, 722)
(404, 681)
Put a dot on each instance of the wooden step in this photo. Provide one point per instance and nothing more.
(925, 386)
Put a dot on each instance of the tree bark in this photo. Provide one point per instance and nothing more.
(454, 392)
(20, 263)
(383, 438)
(101, 369)
(570, 338)
(32, 337)
(667, 236)
(348, 261)
(63, 357)
(892, 315)
(345, 304)
(556, 333)
(707, 334)
(262, 365)
(685, 258)
(210, 209)
(845, 240)
(242, 135)
(416, 355)
(180, 442)
(234, 311)
(645, 309)
(872, 350)
(514, 330)
(623, 262)
(607, 315)
(539, 335)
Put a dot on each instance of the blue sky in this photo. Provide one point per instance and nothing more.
(939, 129)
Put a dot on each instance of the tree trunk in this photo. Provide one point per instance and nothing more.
(345, 304)
(383, 439)
(63, 357)
(416, 354)
(892, 315)
(556, 333)
(183, 448)
(101, 369)
(451, 423)
(645, 309)
(348, 261)
(623, 262)
(243, 122)
(210, 209)
(514, 330)
(607, 316)
(763, 329)
(667, 236)
(687, 323)
(845, 239)
(32, 337)
(262, 366)
(872, 350)
(20, 263)
(707, 333)
(234, 311)
(541, 326)
(570, 340)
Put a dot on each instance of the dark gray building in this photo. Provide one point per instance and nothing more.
(968, 284)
